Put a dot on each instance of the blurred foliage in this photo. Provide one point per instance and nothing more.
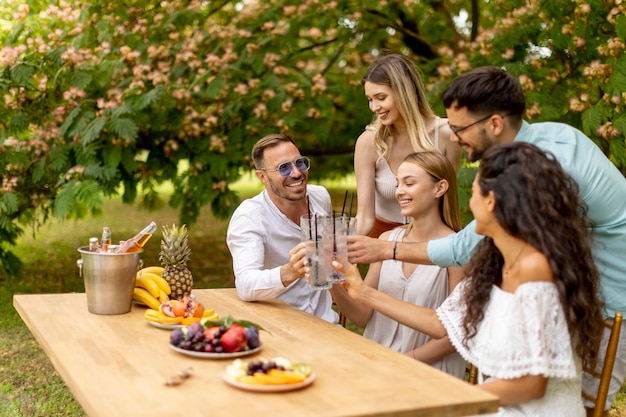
(101, 98)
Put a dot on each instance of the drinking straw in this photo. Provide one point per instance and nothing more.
(350, 210)
(308, 209)
(334, 234)
(315, 221)
(343, 208)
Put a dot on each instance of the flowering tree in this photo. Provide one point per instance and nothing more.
(102, 98)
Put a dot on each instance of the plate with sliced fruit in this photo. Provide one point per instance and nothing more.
(268, 375)
(174, 314)
(217, 339)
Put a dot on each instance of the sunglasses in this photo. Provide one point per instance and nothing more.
(286, 168)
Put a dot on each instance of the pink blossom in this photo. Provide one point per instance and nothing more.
(567, 29)
(260, 111)
(576, 105)
(287, 106)
(508, 54)
(313, 113)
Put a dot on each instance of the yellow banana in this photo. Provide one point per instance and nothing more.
(149, 285)
(152, 313)
(145, 297)
(157, 270)
(209, 313)
(163, 296)
(158, 280)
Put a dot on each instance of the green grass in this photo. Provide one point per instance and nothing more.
(29, 385)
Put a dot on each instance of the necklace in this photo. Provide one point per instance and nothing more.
(506, 269)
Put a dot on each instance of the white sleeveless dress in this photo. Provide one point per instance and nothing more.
(428, 287)
(522, 333)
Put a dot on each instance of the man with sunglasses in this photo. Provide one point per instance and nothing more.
(264, 232)
(485, 108)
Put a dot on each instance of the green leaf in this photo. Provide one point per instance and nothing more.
(39, 171)
(22, 73)
(16, 30)
(150, 98)
(124, 128)
(620, 27)
(10, 203)
(93, 130)
(18, 122)
(591, 120)
(112, 156)
(216, 87)
(89, 193)
(69, 120)
(59, 158)
(65, 200)
(128, 161)
(618, 150)
(81, 79)
(229, 321)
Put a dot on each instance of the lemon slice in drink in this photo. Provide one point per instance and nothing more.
(301, 368)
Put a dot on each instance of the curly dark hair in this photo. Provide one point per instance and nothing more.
(538, 202)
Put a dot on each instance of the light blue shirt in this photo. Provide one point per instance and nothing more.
(602, 187)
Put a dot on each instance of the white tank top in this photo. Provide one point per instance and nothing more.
(386, 206)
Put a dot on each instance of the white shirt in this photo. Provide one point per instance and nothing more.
(259, 238)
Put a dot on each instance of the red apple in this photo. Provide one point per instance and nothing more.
(234, 339)
(210, 332)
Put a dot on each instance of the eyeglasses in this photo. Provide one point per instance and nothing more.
(456, 130)
(286, 168)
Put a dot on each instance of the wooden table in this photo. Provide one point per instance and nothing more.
(116, 365)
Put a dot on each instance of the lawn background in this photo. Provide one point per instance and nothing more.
(29, 384)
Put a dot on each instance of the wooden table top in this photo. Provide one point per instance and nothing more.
(116, 365)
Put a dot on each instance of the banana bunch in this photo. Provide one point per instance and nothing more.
(150, 288)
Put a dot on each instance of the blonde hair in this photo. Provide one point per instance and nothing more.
(440, 168)
(404, 79)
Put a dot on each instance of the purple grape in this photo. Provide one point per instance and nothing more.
(252, 336)
(177, 337)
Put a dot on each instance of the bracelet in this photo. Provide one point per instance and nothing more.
(395, 246)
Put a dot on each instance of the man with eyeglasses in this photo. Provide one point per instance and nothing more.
(264, 231)
(485, 108)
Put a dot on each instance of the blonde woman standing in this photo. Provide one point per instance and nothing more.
(404, 124)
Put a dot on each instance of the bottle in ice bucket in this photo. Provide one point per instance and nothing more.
(106, 239)
(93, 244)
(135, 243)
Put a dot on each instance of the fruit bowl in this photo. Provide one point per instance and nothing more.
(273, 375)
(207, 355)
(225, 337)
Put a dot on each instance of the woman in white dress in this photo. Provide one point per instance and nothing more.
(426, 193)
(528, 312)
(404, 123)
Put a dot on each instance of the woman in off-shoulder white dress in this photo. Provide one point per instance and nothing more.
(528, 312)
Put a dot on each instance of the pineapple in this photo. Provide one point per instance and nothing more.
(174, 256)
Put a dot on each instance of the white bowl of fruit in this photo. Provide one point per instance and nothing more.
(268, 375)
(222, 338)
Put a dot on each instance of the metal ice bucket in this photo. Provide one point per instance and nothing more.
(109, 279)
